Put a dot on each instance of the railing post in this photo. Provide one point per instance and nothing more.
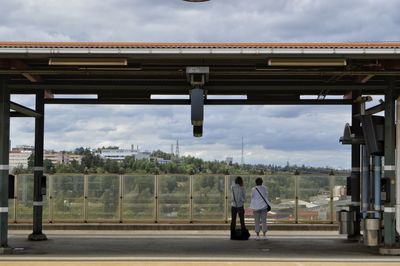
(331, 185)
(15, 198)
(50, 198)
(226, 197)
(156, 198)
(85, 198)
(296, 196)
(191, 199)
(121, 181)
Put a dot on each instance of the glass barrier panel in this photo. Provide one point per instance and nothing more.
(208, 198)
(340, 198)
(103, 197)
(138, 199)
(67, 197)
(281, 195)
(46, 211)
(25, 197)
(174, 198)
(314, 198)
(11, 210)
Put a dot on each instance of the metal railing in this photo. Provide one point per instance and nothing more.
(175, 198)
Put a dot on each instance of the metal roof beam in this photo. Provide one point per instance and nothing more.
(206, 102)
(98, 88)
(23, 110)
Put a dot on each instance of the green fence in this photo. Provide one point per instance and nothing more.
(176, 198)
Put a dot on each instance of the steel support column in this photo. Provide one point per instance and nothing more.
(389, 167)
(4, 164)
(37, 234)
(355, 170)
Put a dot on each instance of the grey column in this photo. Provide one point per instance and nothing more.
(37, 234)
(389, 167)
(365, 182)
(355, 170)
(4, 163)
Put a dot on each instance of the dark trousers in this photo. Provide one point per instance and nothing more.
(235, 211)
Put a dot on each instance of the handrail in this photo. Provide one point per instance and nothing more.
(190, 200)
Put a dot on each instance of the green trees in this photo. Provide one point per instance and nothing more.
(92, 163)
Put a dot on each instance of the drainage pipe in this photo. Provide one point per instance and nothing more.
(365, 182)
(377, 185)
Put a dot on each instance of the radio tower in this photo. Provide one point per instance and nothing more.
(242, 160)
(177, 149)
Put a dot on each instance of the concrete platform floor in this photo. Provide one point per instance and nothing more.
(189, 248)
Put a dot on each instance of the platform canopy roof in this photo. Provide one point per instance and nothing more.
(267, 73)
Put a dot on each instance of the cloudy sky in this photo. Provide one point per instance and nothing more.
(272, 134)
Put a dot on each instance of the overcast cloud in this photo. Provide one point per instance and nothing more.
(272, 134)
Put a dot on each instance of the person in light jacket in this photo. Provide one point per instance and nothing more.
(237, 202)
(259, 201)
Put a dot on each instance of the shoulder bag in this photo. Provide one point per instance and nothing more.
(268, 206)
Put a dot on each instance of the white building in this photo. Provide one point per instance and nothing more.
(121, 154)
(62, 157)
(19, 158)
(116, 154)
(143, 155)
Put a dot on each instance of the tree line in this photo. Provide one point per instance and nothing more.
(92, 163)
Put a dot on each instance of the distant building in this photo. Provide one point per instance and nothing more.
(55, 157)
(121, 154)
(161, 160)
(19, 158)
(75, 157)
(61, 157)
(143, 155)
(116, 154)
(229, 160)
(24, 148)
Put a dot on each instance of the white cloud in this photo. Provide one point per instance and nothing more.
(273, 134)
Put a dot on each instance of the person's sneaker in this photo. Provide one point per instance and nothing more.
(264, 238)
(257, 238)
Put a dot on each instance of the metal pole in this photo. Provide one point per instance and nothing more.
(191, 199)
(120, 198)
(4, 164)
(50, 203)
(377, 186)
(85, 198)
(156, 198)
(296, 196)
(226, 189)
(331, 185)
(355, 171)
(365, 181)
(15, 199)
(390, 167)
(37, 234)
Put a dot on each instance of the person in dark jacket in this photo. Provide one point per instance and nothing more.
(237, 203)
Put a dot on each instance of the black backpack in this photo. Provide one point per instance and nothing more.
(240, 234)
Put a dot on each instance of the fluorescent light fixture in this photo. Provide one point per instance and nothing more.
(169, 97)
(112, 68)
(196, 1)
(226, 97)
(75, 96)
(306, 62)
(88, 62)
